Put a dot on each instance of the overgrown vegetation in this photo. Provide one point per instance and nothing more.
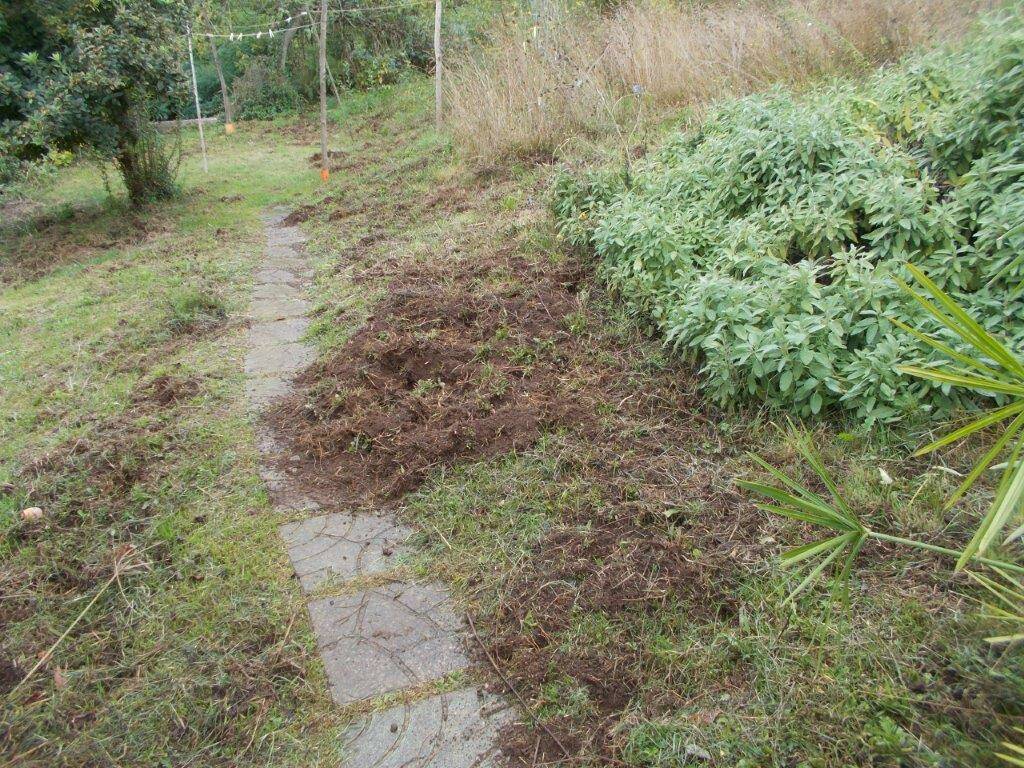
(768, 244)
(579, 69)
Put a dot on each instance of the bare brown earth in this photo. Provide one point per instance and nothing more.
(43, 243)
(449, 367)
(473, 355)
(483, 341)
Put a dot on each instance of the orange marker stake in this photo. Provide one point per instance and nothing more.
(229, 127)
(324, 173)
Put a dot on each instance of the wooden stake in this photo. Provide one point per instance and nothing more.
(229, 112)
(437, 63)
(195, 93)
(324, 162)
(330, 74)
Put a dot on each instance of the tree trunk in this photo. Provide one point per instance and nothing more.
(146, 169)
(287, 40)
(229, 112)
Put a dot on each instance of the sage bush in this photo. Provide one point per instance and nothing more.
(770, 242)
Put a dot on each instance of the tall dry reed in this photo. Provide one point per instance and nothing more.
(538, 84)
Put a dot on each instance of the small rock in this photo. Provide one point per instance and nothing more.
(31, 513)
(697, 752)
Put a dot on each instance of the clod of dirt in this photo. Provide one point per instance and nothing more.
(332, 154)
(10, 674)
(442, 371)
(166, 389)
(299, 215)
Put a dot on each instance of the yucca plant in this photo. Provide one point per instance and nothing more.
(1017, 758)
(794, 500)
(994, 369)
(1006, 607)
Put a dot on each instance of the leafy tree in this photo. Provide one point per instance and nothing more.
(92, 74)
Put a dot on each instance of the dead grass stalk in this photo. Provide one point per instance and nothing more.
(539, 84)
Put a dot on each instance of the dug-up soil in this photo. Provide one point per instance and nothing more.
(470, 356)
(449, 367)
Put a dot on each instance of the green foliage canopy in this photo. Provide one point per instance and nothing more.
(86, 73)
(769, 244)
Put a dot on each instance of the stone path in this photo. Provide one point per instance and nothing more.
(374, 641)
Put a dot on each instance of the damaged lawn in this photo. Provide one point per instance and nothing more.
(148, 616)
(580, 494)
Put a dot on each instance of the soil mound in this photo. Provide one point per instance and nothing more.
(445, 370)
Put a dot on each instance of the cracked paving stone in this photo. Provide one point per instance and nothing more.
(342, 545)
(387, 638)
(450, 730)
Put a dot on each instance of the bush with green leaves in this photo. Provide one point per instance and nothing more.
(264, 92)
(769, 243)
(91, 76)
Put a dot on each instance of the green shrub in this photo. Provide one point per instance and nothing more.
(194, 310)
(263, 92)
(768, 243)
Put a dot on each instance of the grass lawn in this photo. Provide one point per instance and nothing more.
(123, 418)
(567, 478)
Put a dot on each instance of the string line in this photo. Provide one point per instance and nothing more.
(271, 31)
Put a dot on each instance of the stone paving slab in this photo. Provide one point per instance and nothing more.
(385, 639)
(451, 730)
(278, 359)
(285, 236)
(278, 308)
(278, 331)
(263, 390)
(275, 274)
(342, 545)
(278, 291)
(300, 270)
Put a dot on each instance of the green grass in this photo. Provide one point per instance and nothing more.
(206, 657)
(202, 654)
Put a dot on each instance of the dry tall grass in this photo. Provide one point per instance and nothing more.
(535, 86)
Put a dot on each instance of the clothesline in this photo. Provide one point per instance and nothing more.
(287, 25)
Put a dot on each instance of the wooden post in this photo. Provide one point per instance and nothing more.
(195, 93)
(330, 75)
(437, 64)
(229, 112)
(324, 161)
